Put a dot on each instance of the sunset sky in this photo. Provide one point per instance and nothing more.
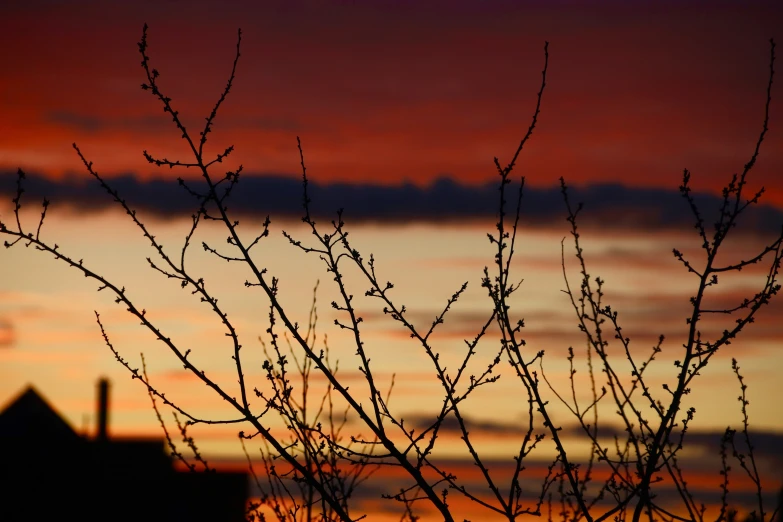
(401, 107)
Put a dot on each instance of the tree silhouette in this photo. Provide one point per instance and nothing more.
(312, 472)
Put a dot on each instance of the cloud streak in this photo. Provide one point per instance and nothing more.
(7, 333)
(606, 205)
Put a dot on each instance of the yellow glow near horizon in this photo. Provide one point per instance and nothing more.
(57, 344)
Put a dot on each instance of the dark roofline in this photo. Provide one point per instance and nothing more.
(30, 415)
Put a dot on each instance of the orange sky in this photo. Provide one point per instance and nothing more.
(387, 92)
(384, 92)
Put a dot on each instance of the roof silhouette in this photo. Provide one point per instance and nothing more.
(48, 470)
(29, 416)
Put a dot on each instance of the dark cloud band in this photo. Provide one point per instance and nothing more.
(612, 206)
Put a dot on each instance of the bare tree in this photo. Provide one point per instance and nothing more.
(313, 471)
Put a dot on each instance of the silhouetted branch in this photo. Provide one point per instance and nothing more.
(313, 470)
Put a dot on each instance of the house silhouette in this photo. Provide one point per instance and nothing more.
(48, 471)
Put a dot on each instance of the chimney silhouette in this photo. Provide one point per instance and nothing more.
(103, 409)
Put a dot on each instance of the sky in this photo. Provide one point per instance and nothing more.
(401, 107)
